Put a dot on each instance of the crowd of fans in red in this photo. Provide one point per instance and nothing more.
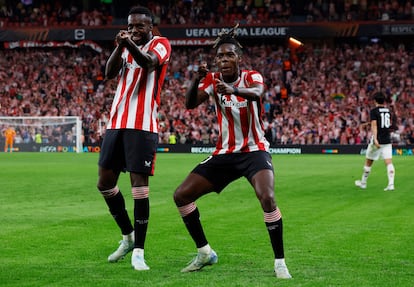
(321, 98)
(324, 98)
(28, 13)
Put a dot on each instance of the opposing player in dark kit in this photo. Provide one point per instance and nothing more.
(380, 144)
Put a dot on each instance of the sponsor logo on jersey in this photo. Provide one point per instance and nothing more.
(224, 101)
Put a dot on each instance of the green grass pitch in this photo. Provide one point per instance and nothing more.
(55, 229)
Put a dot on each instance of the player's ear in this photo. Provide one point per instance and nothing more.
(240, 58)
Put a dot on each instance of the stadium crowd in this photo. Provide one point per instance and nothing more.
(319, 96)
(322, 98)
(29, 13)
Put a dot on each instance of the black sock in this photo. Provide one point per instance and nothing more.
(117, 209)
(275, 230)
(193, 224)
(141, 216)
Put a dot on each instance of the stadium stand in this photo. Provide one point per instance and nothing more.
(96, 13)
(327, 92)
(322, 98)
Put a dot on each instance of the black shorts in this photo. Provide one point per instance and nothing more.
(129, 150)
(220, 170)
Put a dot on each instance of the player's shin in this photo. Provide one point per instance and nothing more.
(191, 218)
(274, 225)
(141, 214)
(116, 204)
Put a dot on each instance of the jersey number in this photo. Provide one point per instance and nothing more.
(385, 120)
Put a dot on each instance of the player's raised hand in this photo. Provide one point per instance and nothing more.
(202, 70)
(121, 37)
(223, 88)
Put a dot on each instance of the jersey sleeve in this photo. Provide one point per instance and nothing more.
(207, 84)
(373, 115)
(254, 77)
(162, 48)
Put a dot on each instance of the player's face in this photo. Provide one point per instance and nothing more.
(227, 61)
(140, 27)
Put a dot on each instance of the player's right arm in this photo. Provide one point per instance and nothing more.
(114, 63)
(194, 96)
(374, 130)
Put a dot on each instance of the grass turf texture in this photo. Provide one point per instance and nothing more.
(55, 229)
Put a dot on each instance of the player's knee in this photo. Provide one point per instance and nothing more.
(102, 187)
(108, 192)
(182, 195)
(103, 184)
(267, 201)
(178, 195)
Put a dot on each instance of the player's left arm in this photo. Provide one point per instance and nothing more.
(252, 92)
(151, 59)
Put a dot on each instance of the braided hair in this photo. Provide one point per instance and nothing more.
(229, 37)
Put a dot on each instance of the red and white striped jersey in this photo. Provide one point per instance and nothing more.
(136, 101)
(240, 123)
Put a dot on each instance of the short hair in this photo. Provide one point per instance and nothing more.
(141, 10)
(379, 98)
(228, 37)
